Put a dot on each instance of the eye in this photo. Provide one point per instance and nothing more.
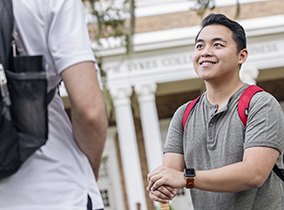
(198, 46)
(218, 45)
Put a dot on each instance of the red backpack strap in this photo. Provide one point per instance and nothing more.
(188, 110)
(244, 101)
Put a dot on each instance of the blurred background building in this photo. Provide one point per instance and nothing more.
(145, 86)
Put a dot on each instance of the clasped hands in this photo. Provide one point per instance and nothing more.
(164, 183)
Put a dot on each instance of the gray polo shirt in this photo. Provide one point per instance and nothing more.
(215, 139)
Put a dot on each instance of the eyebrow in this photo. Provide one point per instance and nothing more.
(215, 39)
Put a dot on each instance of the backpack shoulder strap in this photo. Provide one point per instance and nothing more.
(188, 110)
(243, 113)
(279, 172)
(244, 101)
(50, 95)
(6, 29)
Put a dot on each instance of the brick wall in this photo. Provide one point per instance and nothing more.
(190, 18)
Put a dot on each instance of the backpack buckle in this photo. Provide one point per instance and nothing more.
(3, 87)
(3, 79)
(246, 111)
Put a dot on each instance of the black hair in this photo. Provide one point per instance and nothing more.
(239, 35)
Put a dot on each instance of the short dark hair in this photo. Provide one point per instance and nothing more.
(239, 35)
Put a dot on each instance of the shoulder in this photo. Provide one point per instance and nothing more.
(64, 8)
(265, 105)
(199, 101)
(179, 113)
(182, 108)
(264, 98)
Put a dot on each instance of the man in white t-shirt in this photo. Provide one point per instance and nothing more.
(62, 174)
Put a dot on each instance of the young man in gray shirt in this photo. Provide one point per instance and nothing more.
(230, 164)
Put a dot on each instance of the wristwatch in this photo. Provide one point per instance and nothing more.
(189, 174)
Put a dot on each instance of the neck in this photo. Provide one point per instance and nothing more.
(219, 93)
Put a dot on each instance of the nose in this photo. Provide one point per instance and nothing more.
(206, 52)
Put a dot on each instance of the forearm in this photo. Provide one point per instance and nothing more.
(250, 173)
(174, 161)
(88, 114)
(236, 177)
(90, 136)
(232, 178)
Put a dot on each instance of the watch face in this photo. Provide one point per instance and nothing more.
(189, 172)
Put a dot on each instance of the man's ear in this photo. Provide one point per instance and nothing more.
(243, 54)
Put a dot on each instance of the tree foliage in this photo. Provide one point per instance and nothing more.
(113, 19)
(116, 19)
(201, 6)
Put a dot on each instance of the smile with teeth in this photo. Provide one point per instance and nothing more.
(207, 63)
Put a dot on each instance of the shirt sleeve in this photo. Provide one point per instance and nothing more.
(68, 39)
(265, 123)
(174, 139)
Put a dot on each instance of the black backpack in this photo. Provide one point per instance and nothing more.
(23, 99)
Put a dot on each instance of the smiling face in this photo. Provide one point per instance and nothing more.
(216, 57)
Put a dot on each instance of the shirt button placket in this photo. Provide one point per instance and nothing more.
(211, 131)
(211, 126)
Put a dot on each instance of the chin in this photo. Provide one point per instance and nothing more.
(205, 77)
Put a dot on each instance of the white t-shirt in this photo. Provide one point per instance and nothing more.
(58, 175)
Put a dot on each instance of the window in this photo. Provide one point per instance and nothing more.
(181, 192)
(103, 174)
(104, 194)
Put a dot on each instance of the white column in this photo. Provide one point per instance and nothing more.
(112, 179)
(150, 124)
(128, 147)
(249, 75)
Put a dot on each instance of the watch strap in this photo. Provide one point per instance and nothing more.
(190, 182)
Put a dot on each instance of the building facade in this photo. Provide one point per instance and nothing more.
(147, 88)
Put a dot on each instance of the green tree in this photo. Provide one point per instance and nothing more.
(202, 5)
(117, 20)
(113, 20)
